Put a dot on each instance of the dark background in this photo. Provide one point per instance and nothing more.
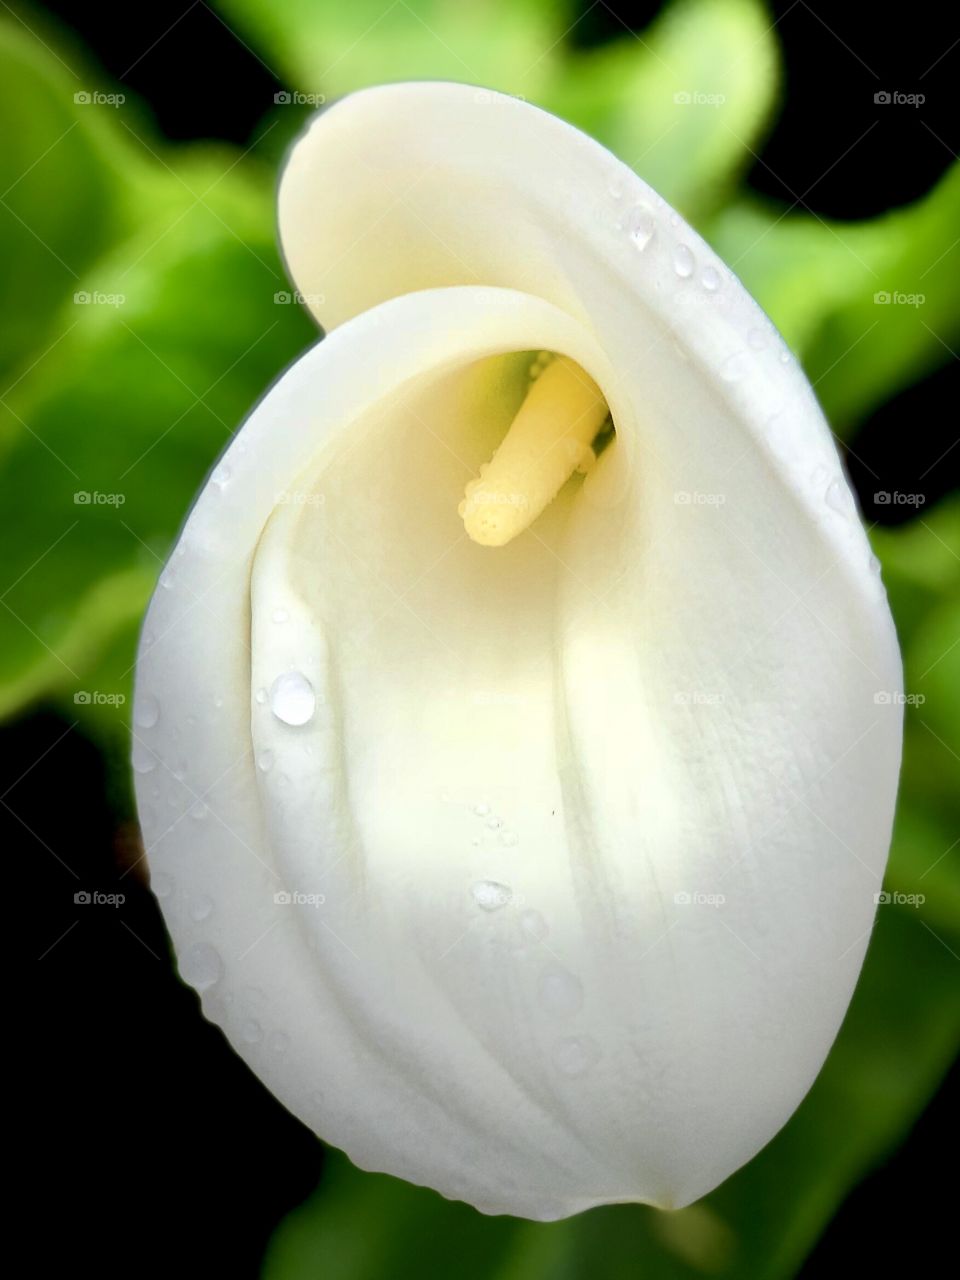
(151, 1147)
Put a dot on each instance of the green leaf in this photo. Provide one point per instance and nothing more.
(61, 181)
(823, 283)
(685, 104)
(113, 429)
(327, 47)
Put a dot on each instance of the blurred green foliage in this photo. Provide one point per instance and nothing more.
(138, 398)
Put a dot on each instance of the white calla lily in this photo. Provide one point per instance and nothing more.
(538, 872)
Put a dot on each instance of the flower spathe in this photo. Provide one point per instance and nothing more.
(536, 866)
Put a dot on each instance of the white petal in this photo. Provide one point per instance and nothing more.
(666, 688)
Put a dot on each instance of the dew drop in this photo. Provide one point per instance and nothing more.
(561, 993)
(756, 339)
(874, 565)
(733, 368)
(265, 761)
(162, 884)
(261, 696)
(710, 279)
(644, 227)
(147, 711)
(575, 1055)
(785, 356)
(511, 838)
(491, 896)
(201, 908)
(144, 761)
(481, 809)
(836, 498)
(683, 262)
(494, 823)
(280, 615)
(201, 966)
(292, 699)
(166, 580)
(221, 477)
(251, 1031)
(198, 811)
(534, 925)
(615, 188)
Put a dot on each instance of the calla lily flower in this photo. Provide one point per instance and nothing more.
(517, 717)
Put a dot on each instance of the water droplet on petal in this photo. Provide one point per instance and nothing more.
(280, 615)
(733, 368)
(710, 279)
(644, 228)
(147, 711)
(201, 908)
(261, 696)
(756, 339)
(561, 993)
(221, 477)
(143, 759)
(481, 810)
(491, 896)
(510, 838)
(575, 1055)
(162, 884)
(265, 761)
(198, 811)
(683, 261)
(534, 925)
(292, 699)
(836, 497)
(201, 966)
(874, 565)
